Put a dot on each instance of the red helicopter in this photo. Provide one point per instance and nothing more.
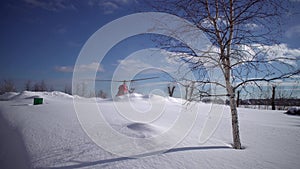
(123, 88)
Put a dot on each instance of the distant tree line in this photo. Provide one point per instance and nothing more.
(37, 86)
(278, 97)
(8, 85)
(278, 102)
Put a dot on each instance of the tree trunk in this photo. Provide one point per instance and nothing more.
(238, 99)
(235, 124)
(227, 74)
(234, 119)
(192, 90)
(169, 90)
(233, 108)
(273, 98)
(173, 88)
(186, 92)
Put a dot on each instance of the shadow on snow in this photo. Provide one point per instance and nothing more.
(106, 161)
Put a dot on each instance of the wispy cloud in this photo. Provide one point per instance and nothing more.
(74, 44)
(107, 6)
(252, 26)
(60, 29)
(293, 31)
(110, 6)
(53, 5)
(80, 68)
(65, 69)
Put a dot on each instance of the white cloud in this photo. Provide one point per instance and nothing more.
(149, 61)
(282, 53)
(205, 59)
(132, 65)
(81, 68)
(247, 51)
(244, 53)
(53, 5)
(90, 67)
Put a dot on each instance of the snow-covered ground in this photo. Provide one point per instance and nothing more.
(50, 136)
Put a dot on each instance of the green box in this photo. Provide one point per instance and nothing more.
(37, 101)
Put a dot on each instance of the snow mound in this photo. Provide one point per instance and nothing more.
(8, 96)
(31, 95)
(27, 95)
(156, 97)
(293, 111)
(137, 96)
(141, 130)
(57, 94)
(131, 96)
(176, 100)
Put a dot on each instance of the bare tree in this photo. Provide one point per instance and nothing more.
(189, 87)
(243, 35)
(285, 96)
(91, 94)
(36, 87)
(7, 86)
(40, 86)
(51, 88)
(28, 85)
(43, 86)
(81, 89)
(102, 94)
(171, 88)
(68, 89)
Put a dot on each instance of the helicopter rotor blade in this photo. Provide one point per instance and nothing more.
(133, 80)
(103, 80)
(111, 80)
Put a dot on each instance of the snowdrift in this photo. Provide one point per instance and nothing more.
(50, 135)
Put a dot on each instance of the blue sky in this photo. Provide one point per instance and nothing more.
(39, 37)
(40, 40)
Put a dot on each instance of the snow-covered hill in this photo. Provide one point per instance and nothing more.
(50, 135)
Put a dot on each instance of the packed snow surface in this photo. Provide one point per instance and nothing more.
(51, 136)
